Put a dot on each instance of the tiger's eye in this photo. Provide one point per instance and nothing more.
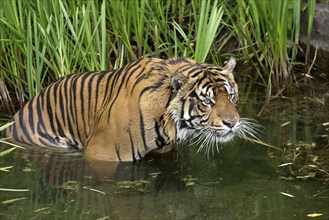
(207, 101)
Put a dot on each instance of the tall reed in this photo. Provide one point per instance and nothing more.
(268, 33)
(41, 41)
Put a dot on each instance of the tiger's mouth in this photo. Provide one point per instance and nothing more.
(221, 134)
(209, 138)
(227, 133)
(213, 136)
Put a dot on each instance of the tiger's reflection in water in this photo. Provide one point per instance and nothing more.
(100, 188)
(58, 167)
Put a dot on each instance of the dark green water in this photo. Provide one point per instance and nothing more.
(242, 181)
(237, 184)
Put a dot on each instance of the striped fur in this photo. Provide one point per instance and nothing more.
(121, 115)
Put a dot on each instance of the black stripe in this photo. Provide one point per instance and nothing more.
(23, 127)
(212, 69)
(141, 126)
(191, 107)
(177, 61)
(194, 72)
(141, 72)
(14, 130)
(82, 107)
(132, 145)
(145, 64)
(43, 142)
(90, 87)
(193, 94)
(182, 100)
(67, 107)
(139, 155)
(185, 68)
(117, 150)
(132, 73)
(118, 91)
(109, 77)
(206, 84)
(31, 116)
(116, 75)
(219, 80)
(159, 140)
(205, 120)
(169, 100)
(50, 105)
(59, 131)
(73, 89)
(99, 79)
(183, 124)
(75, 107)
(139, 79)
(160, 82)
(45, 137)
(40, 116)
(207, 89)
(141, 75)
(73, 143)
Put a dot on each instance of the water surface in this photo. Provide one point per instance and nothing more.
(241, 181)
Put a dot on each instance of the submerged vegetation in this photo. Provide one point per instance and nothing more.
(305, 153)
(41, 41)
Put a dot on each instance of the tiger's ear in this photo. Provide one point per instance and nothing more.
(177, 81)
(230, 65)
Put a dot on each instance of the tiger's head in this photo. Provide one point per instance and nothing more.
(203, 105)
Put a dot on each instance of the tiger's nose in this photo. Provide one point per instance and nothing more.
(230, 122)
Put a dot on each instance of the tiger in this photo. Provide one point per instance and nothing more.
(148, 105)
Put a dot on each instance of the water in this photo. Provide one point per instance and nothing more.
(241, 181)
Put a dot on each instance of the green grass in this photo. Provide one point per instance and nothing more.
(207, 26)
(268, 34)
(311, 10)
(41, 41)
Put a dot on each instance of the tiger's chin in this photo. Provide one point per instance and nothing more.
(208, 139)
(223, 138)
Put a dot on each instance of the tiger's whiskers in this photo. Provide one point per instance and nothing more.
(209, 141)
(249, 129)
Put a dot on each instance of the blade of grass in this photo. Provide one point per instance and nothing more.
(311, 11)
